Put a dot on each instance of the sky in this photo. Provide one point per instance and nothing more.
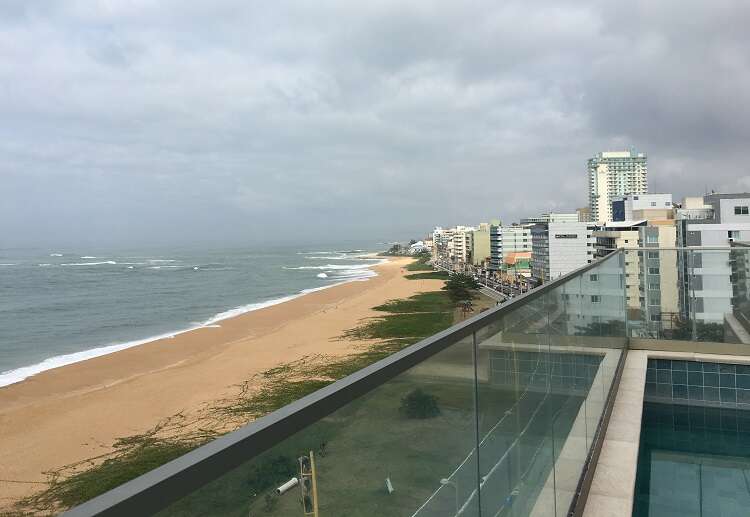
(129, 122)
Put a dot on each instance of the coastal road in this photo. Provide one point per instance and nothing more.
(498, 297)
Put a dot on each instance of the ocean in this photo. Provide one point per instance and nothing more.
(62, 306)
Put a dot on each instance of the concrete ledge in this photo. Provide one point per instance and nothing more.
(613, 487)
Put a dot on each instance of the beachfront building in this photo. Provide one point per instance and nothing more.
(442, 244)
(615, 173)
(584, 214)
(705, 275)
(552, 217)
(418, 247)
(505, 240)
(462, 245)
(517, 264)
(651, 296)
(631, 207)
(480, 245)
(559, 248)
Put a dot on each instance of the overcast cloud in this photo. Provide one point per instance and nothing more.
(236, 121)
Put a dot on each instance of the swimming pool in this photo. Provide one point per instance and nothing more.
(694, 455)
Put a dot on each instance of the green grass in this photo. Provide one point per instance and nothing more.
(135, 456)
(419, 325)
(420, 264)
(433, 301)
(432, 275)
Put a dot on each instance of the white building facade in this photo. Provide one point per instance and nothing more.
(508, 239)
(632, 206)
(705, 275)
(559, 248)
(612, 174)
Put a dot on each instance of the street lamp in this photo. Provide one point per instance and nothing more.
(446, 481)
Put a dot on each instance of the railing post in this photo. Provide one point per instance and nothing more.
(477, 439)
(691, 294)
(624, 272)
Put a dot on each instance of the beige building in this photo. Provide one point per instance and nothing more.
(480, 245)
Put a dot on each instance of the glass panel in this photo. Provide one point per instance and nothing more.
(406, 449)
(514, 407)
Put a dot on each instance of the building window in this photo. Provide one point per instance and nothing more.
(595, 298)
(652, 239)
(653, 254)
(594, 278)
(656, 317)
(653, 286)
(741, 210)
(733, 234)
(653, 271)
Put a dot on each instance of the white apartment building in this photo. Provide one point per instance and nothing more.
(615, 173)
(631, 207)
(552, 217)
(559, 248)
(705, 275)
(462, 244)
(508, 239)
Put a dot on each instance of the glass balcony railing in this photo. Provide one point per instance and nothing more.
(501, 415)
(688, 296)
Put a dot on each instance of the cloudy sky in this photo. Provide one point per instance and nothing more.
(238, 121)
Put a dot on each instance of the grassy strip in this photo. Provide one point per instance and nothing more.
(406, 321)
(133, 456)
(433, 301)
(419, 325)
(420, 264)
(432, 275)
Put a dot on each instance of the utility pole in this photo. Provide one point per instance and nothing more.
(308, 485)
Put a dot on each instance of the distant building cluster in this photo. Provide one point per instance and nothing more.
(621, 214)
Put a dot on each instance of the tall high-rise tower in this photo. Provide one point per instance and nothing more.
(615, 173)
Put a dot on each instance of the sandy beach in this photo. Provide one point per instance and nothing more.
(76, 412)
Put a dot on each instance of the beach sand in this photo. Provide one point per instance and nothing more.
(76, 412)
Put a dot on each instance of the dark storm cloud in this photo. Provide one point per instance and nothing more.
(232, 120)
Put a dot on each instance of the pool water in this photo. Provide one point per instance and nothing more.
(693, 461)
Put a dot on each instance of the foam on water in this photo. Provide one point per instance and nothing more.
(19, 374)
(110, 262)
(334, 267)
(333, 274)
(88, 257)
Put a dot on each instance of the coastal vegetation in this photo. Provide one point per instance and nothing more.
(461, 288)
(421, 405)
(431, 275)
(421, 264)
(401, 322)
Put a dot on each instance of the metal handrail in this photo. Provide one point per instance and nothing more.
(168, 483)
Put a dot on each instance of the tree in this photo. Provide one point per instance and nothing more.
(461, 287)
(704, 331)
(420, 405)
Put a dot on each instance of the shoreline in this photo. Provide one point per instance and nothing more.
(22, 373)
(70, 414)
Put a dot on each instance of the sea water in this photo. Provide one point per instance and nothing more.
(60, 306)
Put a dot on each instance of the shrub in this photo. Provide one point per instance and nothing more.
(420, 405)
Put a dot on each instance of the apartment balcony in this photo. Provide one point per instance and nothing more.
(547, 405)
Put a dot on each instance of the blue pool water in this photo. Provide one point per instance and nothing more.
(693, 460)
